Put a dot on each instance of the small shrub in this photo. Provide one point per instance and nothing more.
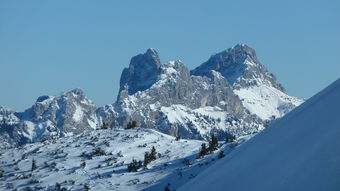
(87, 187)
(230, 138)
(134, 166)
(221, 154)
(34, 181)
(167, 188)
(83, 164)
(186, 162)
(99, 152)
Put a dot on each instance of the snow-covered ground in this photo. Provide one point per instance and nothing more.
(106, 154)
(266, 101)
(300, 151)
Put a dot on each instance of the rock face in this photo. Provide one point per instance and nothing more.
(232, 84)
(181, 104)
(142, 72)
(50, 116)
(231, 93)
(258, 89)
(240, 66)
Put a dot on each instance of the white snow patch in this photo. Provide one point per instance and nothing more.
(266, 101)
(78, 113)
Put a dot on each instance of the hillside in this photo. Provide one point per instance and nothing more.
(298, 152)
(107, 154)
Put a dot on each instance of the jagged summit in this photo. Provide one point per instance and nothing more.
(142, 72)
(259, 90)
(240, 66)
(50, 116)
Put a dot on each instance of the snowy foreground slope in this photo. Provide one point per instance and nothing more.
(298, 152)
(106, 154)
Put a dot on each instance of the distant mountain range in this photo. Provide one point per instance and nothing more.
(230, 94)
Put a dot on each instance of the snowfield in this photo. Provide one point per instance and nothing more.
(267, 102)
(298, 152)
(106, 153)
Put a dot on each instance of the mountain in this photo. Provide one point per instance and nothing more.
(230, 94)
(298, 152)
(178, 103)
(51, 116)
(258, 89)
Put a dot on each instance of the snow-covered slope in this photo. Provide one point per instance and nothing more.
(266, 101)
(106, 154)
(298, 152)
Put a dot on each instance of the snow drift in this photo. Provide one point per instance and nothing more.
(301, 151)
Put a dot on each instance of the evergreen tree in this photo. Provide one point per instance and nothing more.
(153, 154)
(203, 150)
(105, 125)
(213, 143)
(131, 125)
(34, 165)
(134, 124)
(146, 159)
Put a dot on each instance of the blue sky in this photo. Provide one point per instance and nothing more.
(47, 47)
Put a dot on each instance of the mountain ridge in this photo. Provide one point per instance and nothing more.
(220, 96)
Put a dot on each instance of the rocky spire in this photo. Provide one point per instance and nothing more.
(240, 66)
(143, 71)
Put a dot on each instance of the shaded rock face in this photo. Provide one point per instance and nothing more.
(142, 72)
(240, 66)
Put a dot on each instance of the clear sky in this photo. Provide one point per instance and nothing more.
(47, 47)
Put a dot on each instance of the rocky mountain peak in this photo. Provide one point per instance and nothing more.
(240, 66)
(143, 71)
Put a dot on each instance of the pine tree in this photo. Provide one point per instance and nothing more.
(105, 125)
(203, 150)
(131, 125)
(153, 153)
(34, 165)
(134, 124)
(213, 143)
